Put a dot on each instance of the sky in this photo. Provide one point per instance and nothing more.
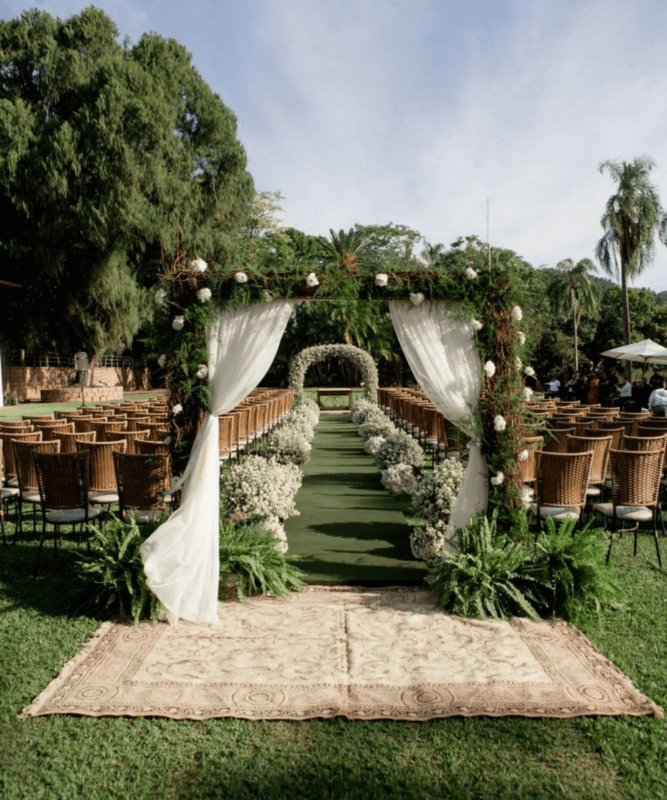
(429, 112)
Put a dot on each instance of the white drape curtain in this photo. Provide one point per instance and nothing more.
(181, 559)
(442, 356)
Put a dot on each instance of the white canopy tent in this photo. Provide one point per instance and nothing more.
(646, 352)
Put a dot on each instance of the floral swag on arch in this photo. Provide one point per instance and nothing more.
(313, 355)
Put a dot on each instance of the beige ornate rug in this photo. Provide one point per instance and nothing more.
(358, 653)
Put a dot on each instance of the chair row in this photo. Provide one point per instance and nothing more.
(253, 418)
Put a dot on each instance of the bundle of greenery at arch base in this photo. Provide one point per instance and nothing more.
(561, 574)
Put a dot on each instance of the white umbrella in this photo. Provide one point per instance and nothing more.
(646, 352)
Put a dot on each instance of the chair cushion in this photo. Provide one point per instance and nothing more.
(7, 492)
(625, 513)
(555, 512)
(103, 498)
(70, 516)
(144, 515)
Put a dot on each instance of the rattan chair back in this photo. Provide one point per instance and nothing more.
(38, 417)
(129, 437)
(17, 427)
(600, 447)
(227, 434)
(68, 415)
(635, 477)
(556, 440)
(68, 440)
(617, 432)
(529, 467)
(23, 459)
(138, 423)
(49, 428)
(62, 479)
(562, 478)
(102, 471)
(7, 439)
(142, 480)
(148, 447)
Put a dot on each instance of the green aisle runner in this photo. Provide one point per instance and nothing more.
(350, 529)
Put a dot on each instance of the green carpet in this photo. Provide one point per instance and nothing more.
(350, 530)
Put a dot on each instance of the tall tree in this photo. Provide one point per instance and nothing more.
(346, 250)
(572, 292)
(632, 219)
(110, 157)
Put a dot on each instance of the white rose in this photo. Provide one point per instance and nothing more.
(199, 264)
(470, 273)
(240, 277)
(178, 323)
(527, 497)
(311, 280)
(523, 456)
(162, 360)
(477, 325)
(160, 296)
(517, 314)
(499, 423)
(530, 372)
(204, 294)
(417, 299)
(490, 369)
(177, 409)
(522, 337)
(527, 392)
(267, 296)
(498, 479)
(381, 279)
(202, 372)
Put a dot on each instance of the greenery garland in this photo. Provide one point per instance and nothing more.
(309, 356)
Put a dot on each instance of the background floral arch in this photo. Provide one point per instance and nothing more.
(312, 355)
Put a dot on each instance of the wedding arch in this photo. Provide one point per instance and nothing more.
(219, 349)
(310, 356)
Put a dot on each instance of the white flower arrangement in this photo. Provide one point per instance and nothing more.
(178, 323)
(523, 456)
(373, 444)
(177, 409)
(490, 369)
(399, 479)
(160, 296)
(204, 294)
(517, 314)
(311, 280)
(527, 392)
(470, 273)
(162, 360)
(199, 265)
(436, 491)
(313, 355)
(261, 487)
(274, 526)
(417, 298)
(399, 448)
(360, 409)
(202, 372)
(477, 325)
(381, 279)
(428, 544)
(499, 423)
(288, 445)
(522, 337)
(241, 277)
(530, 372)
(498, 479)
(527, 497)
(376, 424)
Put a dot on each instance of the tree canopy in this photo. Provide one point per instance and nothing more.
(112, 158)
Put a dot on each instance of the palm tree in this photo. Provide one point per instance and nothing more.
(632, 218)
(347, 250)
(571, 291)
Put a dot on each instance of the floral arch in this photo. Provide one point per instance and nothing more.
(313, 355)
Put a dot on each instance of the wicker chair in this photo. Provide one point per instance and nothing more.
(102, 480)
(532, 445)
(600, 447)
(63, 488)
(611, 429)
(26, 475)
(38, 417)
(635, 488)
(8, 494)
(556, 440)
(68, 440)
(17, 427)
(227, 438)
(6, 439)
(49, 428)
(562, 481)
(130, 437)
(143, 482)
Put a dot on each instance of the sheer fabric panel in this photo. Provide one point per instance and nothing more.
(442, 356)
(181, 559)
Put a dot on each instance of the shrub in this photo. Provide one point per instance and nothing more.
(399, 478)
(376, 424)
(428, 543)
(373, 444)
(360, 409)
(261, 487)
(252, 555)
(288, 445)
(114, 570)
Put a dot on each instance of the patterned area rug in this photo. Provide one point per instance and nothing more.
(358, 653)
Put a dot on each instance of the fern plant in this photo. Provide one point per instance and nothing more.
(114, 570)
(573, 569)
(489, 576)
(251, 554)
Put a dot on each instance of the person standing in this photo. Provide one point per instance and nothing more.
(657, 402)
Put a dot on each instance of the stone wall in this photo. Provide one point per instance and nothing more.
(26, 383)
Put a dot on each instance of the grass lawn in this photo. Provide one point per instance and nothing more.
(69, 757)
(11, 413)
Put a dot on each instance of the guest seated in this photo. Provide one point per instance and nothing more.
(657, 402)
